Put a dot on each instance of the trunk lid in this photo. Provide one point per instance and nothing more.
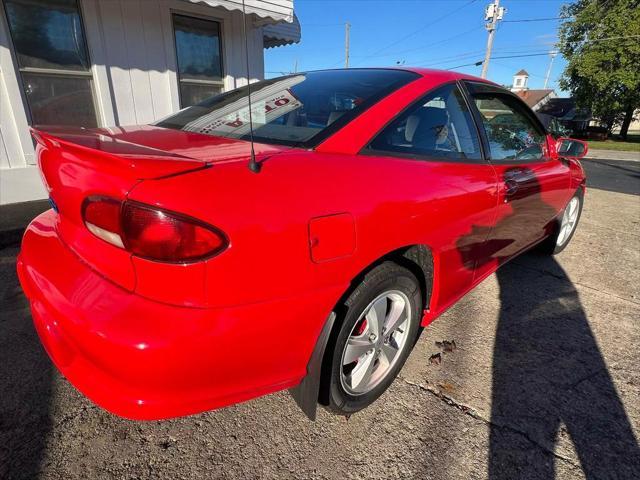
(77, 163)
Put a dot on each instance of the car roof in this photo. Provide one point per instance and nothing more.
(442, 75)
(448, 74)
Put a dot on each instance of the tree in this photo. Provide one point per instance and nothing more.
(600, 39)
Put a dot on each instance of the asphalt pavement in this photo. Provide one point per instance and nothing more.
(543, 382)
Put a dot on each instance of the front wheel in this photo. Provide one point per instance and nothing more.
(565, 226)
(377, 333)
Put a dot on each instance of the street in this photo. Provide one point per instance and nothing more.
(542, 380)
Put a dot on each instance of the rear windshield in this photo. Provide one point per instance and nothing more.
(297, 110)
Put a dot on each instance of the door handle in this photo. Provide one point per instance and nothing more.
(510, 188)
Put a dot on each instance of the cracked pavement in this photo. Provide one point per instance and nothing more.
(543, 382)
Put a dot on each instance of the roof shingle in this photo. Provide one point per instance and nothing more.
(532, 97)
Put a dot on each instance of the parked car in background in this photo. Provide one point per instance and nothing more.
(170, 278)
(553, 126)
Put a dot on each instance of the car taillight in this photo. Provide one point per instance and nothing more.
(151, 232)
(102, 218)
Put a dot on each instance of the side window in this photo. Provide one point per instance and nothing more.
(199, 53)
(55, 69)
(510, 132)
(439, 125)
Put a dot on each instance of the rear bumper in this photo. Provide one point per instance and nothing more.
(143, 359)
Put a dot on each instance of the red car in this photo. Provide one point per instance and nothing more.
(176, 274)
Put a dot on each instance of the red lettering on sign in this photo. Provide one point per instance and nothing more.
(236, 123)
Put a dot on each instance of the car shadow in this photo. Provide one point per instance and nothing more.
(551, 380)
(26, 376)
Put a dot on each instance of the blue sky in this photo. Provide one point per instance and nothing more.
(433, 33)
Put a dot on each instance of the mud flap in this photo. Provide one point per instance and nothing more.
(306, 392)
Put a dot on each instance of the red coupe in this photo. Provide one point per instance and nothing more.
(178, 272)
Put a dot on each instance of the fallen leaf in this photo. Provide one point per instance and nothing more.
(435, 359)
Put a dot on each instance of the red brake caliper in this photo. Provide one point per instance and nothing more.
(360, 328)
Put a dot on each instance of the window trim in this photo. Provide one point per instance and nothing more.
(470, 87)
(414, 156)
(54, 71)
(218, 83)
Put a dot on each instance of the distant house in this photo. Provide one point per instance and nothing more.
(103, 63)
(534, 98)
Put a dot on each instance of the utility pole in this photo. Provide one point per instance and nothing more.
(493, 13)
(347, 26)
(553, 54)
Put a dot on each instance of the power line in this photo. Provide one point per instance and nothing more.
(306, 25)
(477, 64)
(535, 19)
(474, 29)
(424, 27)
(521, 56)
(365, 57)
(514, 67)
(547, 52)
(460, 57)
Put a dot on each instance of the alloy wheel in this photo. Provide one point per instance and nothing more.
(375, 342)
(569, 221)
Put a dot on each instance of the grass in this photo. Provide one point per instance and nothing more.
(631, 145)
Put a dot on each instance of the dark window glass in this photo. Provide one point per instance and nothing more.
(300, 109)
(192, 93)
(512, 135)
(56, 100)
(47, 34)
(199, 54)
(54, 65)
(439, 125)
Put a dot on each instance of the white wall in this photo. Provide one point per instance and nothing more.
(133, 58)
(131, 45)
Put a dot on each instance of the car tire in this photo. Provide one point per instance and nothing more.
(366, 354)
(564, 227)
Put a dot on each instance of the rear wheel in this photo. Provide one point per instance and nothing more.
(565, 226)
(377, 333)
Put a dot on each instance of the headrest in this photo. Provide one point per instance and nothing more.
(426, 118)
(431, 120)
(410, 127)
(433, 116)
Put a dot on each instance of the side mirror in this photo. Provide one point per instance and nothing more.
(570, 147)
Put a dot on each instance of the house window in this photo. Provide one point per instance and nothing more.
(518, 82)
(51, 51)
(199, 52)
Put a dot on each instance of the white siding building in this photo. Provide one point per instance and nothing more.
(119, 62)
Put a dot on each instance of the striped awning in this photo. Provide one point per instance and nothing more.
(278, 10)
(282, 33)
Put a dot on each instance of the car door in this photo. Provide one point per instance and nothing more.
(533, 184)
(436, 140)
